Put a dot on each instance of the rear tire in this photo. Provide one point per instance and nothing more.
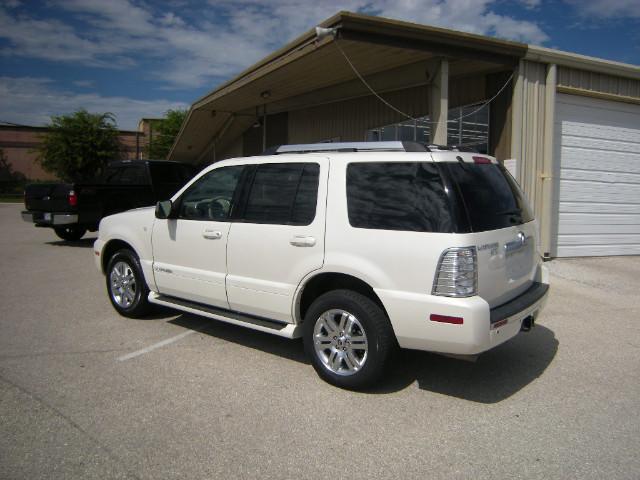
(70, 232)
(127, 289)
(348, 339)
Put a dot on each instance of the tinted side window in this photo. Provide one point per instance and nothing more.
(491, 196)
(397, 196)
(133, 176)
(211, 196)
(283, 193)
(170, 173)
(112, 175)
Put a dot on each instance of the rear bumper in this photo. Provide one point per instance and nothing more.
(46, 219)
(482, 329)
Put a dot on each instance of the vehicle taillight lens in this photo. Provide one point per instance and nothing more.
(457, 273)
(73, 198)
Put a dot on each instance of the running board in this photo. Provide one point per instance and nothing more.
(281, 329)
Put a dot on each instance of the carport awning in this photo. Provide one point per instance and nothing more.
(302, 73)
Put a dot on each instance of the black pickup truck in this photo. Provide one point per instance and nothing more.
(73, 208)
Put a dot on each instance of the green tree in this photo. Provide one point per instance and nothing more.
(164, 132)
(78, 146)
(10, 180)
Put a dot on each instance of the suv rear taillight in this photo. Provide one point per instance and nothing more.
(457, 273)
(73, 198)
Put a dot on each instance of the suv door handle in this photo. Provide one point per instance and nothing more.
(302, 241)
(212, 235)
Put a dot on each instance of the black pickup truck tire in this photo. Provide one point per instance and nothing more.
(70, 232)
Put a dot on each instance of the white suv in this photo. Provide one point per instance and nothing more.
(358, 248)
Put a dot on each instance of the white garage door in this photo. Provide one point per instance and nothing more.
(598, 143)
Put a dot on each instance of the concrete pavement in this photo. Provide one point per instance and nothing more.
(225, 402)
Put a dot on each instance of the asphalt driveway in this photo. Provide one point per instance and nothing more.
(85, 393)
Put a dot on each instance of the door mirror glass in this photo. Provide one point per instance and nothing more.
(163, 209)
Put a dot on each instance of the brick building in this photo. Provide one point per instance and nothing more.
(20, 142)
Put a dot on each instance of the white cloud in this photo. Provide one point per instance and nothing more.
(607, 8)
(531, 3)
(83, 83)
(32, 101)
(228, 36)
(51, 40)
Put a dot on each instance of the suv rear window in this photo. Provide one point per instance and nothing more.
(490, 196)
(406, 196)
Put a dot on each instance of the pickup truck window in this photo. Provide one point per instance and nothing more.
(170, 173)
(283, 193)
(211, 197)
(133, 175)
(111, 175)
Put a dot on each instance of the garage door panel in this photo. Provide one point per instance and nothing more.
(572, 130)
(579, 110)
(600, 219)
(600, 160)
(600, 176)
(593, 207)
(601, 239)
(597, 250)
(598, 142)
(580, 191)
(595, 229)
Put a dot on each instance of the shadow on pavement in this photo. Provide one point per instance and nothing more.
(82, 243)
(283, 347)
(495, 376)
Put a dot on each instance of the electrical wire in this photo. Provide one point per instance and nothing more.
(392, 107)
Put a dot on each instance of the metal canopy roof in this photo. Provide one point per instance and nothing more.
(307, 71)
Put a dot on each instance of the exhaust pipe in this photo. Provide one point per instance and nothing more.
(528, 323)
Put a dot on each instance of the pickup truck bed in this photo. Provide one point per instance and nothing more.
(73, 208)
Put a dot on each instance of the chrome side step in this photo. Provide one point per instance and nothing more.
(281, 329)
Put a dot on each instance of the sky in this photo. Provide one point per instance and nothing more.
(138, 59)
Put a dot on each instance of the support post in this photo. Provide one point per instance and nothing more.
(439, 102)
(264, 128)
(549, 201)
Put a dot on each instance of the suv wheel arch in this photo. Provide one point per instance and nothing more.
(110, 248)
(327, 281)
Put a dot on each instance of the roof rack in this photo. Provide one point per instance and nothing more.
(393, 146)
(348, 147)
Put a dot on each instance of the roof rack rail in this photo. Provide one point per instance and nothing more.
(389, 146)
(397, 146)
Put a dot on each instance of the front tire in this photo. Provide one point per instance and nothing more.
(70, 232)
(348, 339)
(126, 286)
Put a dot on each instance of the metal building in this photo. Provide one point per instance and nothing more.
(572, 123)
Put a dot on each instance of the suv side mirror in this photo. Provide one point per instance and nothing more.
(164, 209)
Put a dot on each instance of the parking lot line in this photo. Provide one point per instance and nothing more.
(150, 348)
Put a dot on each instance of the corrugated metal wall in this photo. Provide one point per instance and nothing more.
(348, 120)
(598, 82)
(528, 136)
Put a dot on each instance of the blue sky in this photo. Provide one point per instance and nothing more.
(139, 58)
